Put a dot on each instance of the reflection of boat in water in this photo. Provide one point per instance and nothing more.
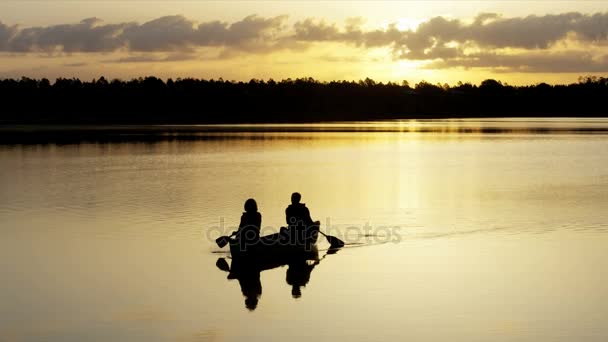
(247, 266)
(298, 274)
(269, 260)
(247, 272)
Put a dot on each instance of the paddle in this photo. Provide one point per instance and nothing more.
(334, 242)
(222, 265)
(224, 240)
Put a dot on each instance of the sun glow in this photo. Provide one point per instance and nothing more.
(405, 24)
(402, 24)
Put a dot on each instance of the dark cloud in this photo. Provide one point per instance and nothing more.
(312, 30)
(162, 34)
(179, 33)
(6, 35)
(531, 32)
(251, 32)
(170, 33)
(87, 36)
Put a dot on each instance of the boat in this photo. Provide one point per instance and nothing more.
(246, 267)
(278, 248)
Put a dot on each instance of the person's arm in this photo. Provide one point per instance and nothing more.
(255, 225)
(241, 225)
(258, 221)
(308, 218)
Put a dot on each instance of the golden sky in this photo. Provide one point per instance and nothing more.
(519, 42)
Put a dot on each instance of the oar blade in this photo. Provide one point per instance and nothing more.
(222, 241)
(334, 242)
(222, 264)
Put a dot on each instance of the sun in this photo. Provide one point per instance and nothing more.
(408, 24)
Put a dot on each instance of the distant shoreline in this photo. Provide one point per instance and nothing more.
(152, 101)
(67, 134)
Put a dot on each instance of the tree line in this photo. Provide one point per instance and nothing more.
(151, 100)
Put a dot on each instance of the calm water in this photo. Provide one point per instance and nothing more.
(454, 234)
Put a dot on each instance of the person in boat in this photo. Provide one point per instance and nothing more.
(298, 217)
(249, 228)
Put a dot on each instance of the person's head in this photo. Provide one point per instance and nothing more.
(295, 198)
(296, 292)
(251, 206)
(251, 303)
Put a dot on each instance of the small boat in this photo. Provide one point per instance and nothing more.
(279, 248)
(246, 267)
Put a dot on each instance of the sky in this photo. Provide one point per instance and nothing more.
(517, 42)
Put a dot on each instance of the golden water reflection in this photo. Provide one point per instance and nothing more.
(453, 237)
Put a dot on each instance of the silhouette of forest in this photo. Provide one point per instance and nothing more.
(151, 100)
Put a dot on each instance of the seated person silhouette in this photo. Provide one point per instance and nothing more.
(249, 228)
(298, 219)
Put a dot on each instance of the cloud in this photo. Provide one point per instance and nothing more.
(447, 42)
(488, 30)
(162, 34)
(311, 30)
(486, 41)
(6, 35)
(173, 33)
(87, 36)
(76, 64)
(531, 32)
(575, 62)
(147, 58)
(254, 33)
(169, 33)
(343, 59)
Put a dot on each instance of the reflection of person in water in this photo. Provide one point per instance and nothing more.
(248, 275)
(249, 280)
(251, 287)
(298, 275)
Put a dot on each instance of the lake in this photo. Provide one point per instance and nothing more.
(456, 230)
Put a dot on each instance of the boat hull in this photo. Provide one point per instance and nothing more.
(279, 248)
